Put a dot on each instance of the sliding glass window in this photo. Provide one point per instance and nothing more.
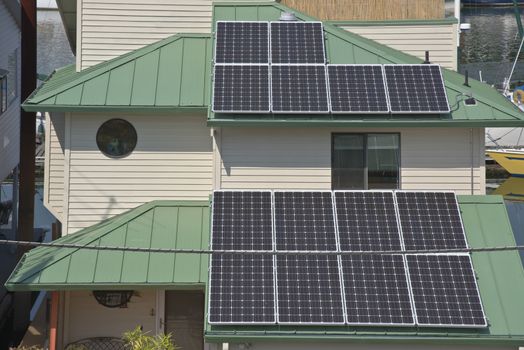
(365, 161)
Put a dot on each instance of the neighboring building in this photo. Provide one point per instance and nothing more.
(133, 154)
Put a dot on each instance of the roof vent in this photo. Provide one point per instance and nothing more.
(288, 17)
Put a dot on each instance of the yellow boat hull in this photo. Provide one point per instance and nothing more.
(513, 162)
(512, 188)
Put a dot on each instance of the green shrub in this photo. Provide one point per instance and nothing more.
(140, 340)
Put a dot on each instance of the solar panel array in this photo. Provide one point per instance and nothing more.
(327, 286)
(292, 56)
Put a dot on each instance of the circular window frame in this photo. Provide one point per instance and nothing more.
(132, 127)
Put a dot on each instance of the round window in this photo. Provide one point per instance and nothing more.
(116, 138)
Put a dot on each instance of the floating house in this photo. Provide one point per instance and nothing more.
(166, 135)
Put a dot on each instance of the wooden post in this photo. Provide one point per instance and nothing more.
(53, 320)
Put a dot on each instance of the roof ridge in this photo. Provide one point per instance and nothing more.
(106, 66)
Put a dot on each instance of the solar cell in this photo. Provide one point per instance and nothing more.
(299, 89)
(241, 289)
(309, 290)
(445, 291)
(242, 42)
(241, 89)
(357, 89)
(430, 220)
(376, 290)
(297, 42)
(416, 89)
(367, 221)
(242, 220)
(304, 221)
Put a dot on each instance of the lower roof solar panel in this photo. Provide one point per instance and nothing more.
(376, 290)
(241, 289)
(445, 291)
(299, 89)
(241, 89)
(309, 290)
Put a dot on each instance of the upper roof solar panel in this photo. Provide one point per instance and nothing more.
(416, 88)
(357, 89)
(242, 42)
(297, 42)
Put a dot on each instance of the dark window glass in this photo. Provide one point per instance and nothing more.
(116, 138)
(365, 161)
(3, 94)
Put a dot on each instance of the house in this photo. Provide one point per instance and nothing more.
(134, 152)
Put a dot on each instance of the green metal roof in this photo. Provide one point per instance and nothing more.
(171, 75)
(501, 282)
(343, 47)
(161, 224)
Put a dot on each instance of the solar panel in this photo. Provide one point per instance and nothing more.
(241, 289)
(297, 42)
(376, 290)
(242, 220)
(304, 221)
(309, 290)
(357, 89)
(242, 42)
(416, 89)
(299, 89)
(241, 89)
(367, 221)
(430, 220)
(445, 291)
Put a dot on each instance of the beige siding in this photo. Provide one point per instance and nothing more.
(173, 160)
(334, 346)
(85, 318)
(10, 119)
(431, 159)
(110, 28)
(54, 166)
(440, 40)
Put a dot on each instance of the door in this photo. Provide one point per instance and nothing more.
(185, 318)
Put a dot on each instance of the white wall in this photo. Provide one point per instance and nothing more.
(415, 39)
(85, 318)
(173, 160)
(290, 158)
(54, 164)
(339, 346)
(10, 119)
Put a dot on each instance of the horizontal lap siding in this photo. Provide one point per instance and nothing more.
(173, 160)
(431, 159)
(54, 174)
(439, 40)
(113, 28)
(10, 119)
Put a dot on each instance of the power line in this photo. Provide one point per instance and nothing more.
(261, 252)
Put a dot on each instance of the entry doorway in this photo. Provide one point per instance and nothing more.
(184, 318)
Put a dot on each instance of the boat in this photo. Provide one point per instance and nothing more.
(490, 2)
(511, 189)
(510, 159)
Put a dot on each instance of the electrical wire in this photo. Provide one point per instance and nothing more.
(260, 252)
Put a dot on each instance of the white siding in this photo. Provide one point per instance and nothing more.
(440, 40)
(173, 160)
(110, 28)
(431, 159)
(54, 166)
(85, 318)
(10, 119)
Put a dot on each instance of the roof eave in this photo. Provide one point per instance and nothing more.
(20, 287)
(29, 107)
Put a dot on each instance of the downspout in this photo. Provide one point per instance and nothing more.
(472, 161)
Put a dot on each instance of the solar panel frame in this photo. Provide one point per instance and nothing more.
(386, 94)
(297, 63)
(407, 245)
(243, 63)
(392, 111)
(477, 294)
(308, 111)
(235, 111)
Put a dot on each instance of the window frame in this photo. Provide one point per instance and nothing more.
(4, 103)
(366, 150)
